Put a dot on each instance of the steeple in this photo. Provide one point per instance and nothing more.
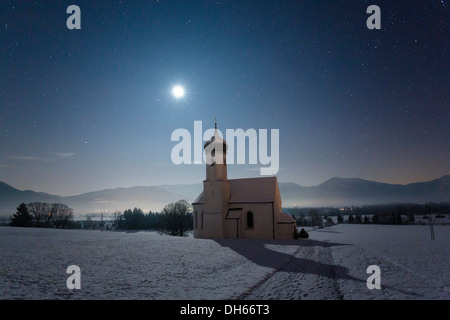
(216, 154)
(216, 187)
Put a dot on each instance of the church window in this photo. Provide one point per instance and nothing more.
(249, 220)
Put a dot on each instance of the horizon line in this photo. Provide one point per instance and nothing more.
(188, 184)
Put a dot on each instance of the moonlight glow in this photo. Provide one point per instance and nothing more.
(178, 92)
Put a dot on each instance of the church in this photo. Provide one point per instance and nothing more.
(238, 208)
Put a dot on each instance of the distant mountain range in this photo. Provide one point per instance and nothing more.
(333, 192)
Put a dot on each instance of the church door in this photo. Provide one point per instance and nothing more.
(232, 223)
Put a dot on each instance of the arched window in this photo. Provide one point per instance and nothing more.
(250, 220)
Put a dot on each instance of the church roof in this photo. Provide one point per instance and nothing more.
(199, 199)
(253, 190)
(249, 190)
(285, 218)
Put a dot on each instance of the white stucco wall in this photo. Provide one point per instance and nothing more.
(207, 225)
(262, 221)
(285, 231)
(211, 220)
(282, 230)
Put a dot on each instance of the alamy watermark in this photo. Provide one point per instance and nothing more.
(374, 21)
(374, 280)
(74, 20)
(74, 280)
(257, 147)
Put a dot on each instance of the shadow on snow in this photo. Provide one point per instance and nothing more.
(258, 252)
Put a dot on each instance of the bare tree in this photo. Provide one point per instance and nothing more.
(51, 212)
(316, 220)
(61, 215)
(117, 218)
(39, 211)
(176, 218)
(68, 217)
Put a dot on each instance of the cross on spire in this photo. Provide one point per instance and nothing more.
(215, 122)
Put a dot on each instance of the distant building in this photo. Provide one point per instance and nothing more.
(238, 208)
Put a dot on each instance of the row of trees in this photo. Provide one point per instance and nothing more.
(394, 218)
(405, 209)
(315, 220)
(375, 214)
(380, 210)
(175, 219)
(38, 214)
(312, 219)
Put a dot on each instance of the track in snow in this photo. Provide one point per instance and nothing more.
(309, 274)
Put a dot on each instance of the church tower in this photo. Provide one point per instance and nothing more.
(238, 208)
(216, 189)
(216, 157)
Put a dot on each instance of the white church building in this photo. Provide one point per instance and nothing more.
(238, 208)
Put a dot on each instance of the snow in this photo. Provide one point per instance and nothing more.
(331, 264)
(412, 265)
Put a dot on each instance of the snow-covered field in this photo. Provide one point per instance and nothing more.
(145, 265)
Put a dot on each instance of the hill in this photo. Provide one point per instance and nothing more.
(333, 192)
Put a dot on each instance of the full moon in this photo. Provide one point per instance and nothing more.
(178, 92)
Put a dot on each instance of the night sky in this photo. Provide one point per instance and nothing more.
(84, 110)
